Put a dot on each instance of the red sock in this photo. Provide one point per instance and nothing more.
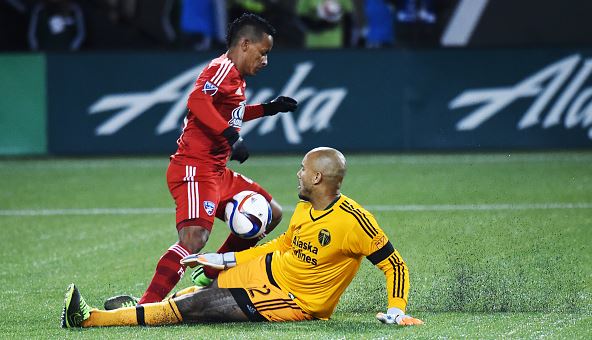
(168, 272)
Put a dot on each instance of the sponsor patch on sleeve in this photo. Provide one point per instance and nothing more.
(209, 88)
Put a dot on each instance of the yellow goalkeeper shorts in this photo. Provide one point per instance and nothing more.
(261, 293)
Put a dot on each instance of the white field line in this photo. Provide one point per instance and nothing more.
(483, 207)
(83, 212)
(372, 208)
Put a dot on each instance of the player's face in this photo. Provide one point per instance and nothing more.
(256, 55)
(305, 180)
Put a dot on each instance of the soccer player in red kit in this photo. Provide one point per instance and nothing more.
(197, 176)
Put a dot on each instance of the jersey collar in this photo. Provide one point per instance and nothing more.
(316, 215)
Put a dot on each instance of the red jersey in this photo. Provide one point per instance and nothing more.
(217, 102)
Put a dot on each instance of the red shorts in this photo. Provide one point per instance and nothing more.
(202, 195)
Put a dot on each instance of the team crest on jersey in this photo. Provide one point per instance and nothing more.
(237, 116)
(209, 207)
(324, 237)
(209, 88)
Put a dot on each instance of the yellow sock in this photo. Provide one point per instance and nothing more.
(188, 290)
(151, 314)
(162, 313)
(117, 317)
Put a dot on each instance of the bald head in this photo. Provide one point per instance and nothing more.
(320, 176)
(329, 162)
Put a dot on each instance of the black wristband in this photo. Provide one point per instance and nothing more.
(231, 135)
(267, 110)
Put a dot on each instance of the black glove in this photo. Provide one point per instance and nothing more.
(280, 104)
(239, 149)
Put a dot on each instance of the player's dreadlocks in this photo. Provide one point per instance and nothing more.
(250, 26)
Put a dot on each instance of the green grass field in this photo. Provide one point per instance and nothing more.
(498, 245)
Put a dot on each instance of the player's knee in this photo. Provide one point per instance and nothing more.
(277, 218)
(191, 307)
(276, 215)
(194, 238)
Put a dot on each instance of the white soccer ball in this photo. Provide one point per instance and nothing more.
(247, 214)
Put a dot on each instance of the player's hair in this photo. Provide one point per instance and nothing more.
(250, 26)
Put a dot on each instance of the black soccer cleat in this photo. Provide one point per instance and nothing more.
(120, 301)
(76, 310)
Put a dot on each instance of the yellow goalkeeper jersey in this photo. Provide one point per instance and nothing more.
(318, 256)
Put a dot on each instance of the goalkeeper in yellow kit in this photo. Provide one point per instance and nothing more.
(298, 276)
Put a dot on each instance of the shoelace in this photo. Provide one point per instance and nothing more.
(128, 304)
(83, 312)
(84, 307)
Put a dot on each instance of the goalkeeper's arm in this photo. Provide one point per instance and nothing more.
(228, 260)
(280, 243)
(396, 273)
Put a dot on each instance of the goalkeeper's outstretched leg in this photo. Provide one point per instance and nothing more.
(192, 306)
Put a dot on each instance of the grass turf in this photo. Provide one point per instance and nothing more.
(479, 268)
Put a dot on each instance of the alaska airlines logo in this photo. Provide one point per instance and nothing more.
(317, 106)
(574, 104)
(303, 251)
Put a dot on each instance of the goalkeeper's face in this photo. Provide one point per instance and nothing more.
(304, 183)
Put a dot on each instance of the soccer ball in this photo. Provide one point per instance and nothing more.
(247, 214)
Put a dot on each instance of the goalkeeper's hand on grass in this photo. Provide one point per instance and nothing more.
(395, 315)
(214, 260)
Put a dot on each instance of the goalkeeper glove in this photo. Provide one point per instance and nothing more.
(214, 260)
(280, 104)
(239, 150)
(395, 315)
